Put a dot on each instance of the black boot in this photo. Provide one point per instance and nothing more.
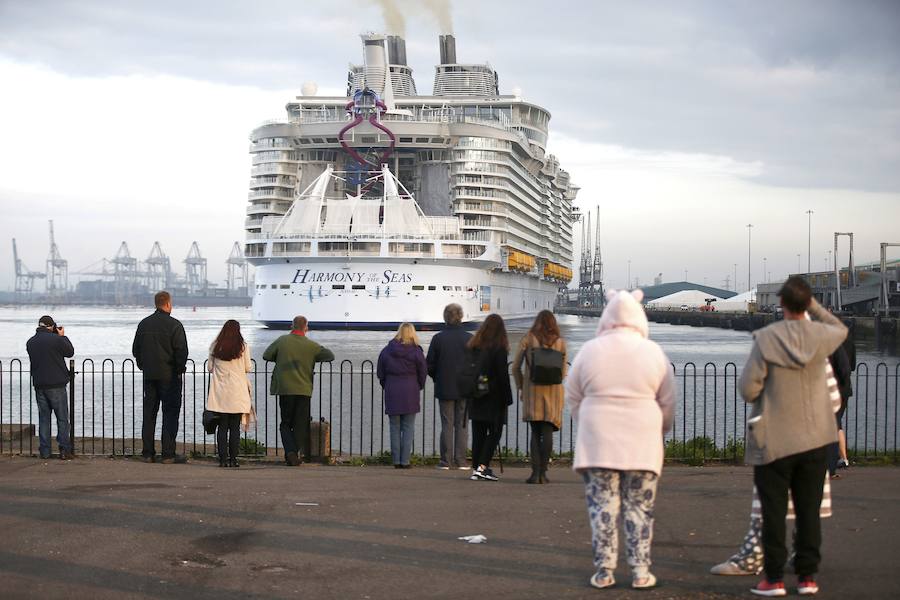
(535, 473)
(543, 472)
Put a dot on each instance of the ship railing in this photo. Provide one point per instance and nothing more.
(106, 411)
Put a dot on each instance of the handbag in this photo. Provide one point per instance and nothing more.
(210, 421)
(546, 366)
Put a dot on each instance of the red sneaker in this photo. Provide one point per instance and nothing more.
(807, 586)
(769, 588)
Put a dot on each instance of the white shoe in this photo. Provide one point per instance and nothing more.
(602, 581)
(730, 568)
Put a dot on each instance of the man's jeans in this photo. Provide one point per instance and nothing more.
(168, 393)
(53, 400)
(402, 427)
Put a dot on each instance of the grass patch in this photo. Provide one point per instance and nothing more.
(701, 449)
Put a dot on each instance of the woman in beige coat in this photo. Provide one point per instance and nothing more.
(542, 405)
(229, 390)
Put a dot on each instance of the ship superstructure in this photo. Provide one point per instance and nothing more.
(383, 206)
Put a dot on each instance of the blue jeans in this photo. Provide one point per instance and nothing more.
(167, 393)
(53, 400)
(402, 437)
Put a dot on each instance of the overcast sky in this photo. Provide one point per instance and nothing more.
(683, 121)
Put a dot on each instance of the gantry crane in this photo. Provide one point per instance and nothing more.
(57, 269)
(237, 269)
(24, 277)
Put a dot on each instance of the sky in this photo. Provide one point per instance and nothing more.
(683, 122)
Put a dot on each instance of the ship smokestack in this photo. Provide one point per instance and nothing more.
(396, 50)
(448, 49)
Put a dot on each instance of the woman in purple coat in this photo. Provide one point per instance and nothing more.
(402, 371)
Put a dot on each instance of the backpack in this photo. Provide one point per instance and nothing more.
(471, 382)
(546, 366)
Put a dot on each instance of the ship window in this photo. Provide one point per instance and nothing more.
(431, 288)
(304, 140)
(421, 140)
(359, 287)
(406, 140)
(273, 286)
(337, 286)
(332, 140)
(448, 288)
(458, 288)
(318, 140)
(285, 286)
(437, 140)
(418, 288)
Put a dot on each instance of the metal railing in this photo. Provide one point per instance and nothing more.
(106, 412)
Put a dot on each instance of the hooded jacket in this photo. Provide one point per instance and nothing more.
(785, 382)
(401, 370)
(621, 392)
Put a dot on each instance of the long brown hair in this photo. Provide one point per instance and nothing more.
(491, 334)
(230, 343)
(545, 329)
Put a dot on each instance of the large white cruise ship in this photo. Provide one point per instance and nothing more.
(384, 206)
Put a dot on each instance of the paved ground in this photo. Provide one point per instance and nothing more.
(101, 528)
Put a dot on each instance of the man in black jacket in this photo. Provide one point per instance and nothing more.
(47, 350)
(444, 360)
(160, 350)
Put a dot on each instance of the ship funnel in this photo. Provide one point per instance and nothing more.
(448, 49)
(375, 62)
(396, 50)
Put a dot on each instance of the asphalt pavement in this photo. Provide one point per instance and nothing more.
(119, 528)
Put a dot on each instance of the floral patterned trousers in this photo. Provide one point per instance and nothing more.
(633, 492)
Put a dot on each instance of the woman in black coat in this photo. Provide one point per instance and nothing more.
(488, 413)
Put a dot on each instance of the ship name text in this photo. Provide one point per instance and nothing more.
(388, 276)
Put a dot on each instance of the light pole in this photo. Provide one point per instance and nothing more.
(809, 242)
(685, 274)
(764, 270)
(629, 275)
(735, 277)
(799, 268)
(749, 282)
(829, 260)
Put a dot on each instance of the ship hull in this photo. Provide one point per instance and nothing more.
(381, 294)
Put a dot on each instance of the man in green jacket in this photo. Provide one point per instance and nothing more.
(295, 357)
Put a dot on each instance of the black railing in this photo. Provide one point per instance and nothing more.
(106, 405)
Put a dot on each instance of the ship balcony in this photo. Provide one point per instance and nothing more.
(272, 181)
(263, 160)
(271, 193)
(261, 147)
(273, 169)
(268, 208)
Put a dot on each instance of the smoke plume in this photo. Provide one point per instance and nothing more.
(440, 10)
(394, 20)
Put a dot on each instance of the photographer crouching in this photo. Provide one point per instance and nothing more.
(47, 351)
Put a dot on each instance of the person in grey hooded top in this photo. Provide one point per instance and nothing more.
(790, 427)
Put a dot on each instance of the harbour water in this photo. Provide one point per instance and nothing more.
(104, 332)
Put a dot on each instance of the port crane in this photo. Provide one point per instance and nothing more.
(57, 268)
(24, 277)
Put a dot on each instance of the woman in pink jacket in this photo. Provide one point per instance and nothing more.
(621, 393)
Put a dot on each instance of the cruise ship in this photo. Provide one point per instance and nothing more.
(383, 206)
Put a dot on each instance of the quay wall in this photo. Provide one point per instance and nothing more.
(882, 330)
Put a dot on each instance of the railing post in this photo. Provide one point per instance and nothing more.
(72, 403)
